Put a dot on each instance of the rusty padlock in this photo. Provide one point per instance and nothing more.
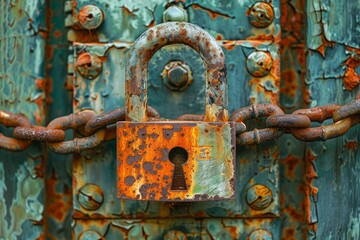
(176, 160)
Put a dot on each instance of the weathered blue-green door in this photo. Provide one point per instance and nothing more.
(59, 58)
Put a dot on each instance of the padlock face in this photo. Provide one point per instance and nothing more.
(176, 161)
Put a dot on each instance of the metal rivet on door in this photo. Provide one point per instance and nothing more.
(259, 197)
(261, 14)
(90, 196)
(88, 65)
(175, 14)
(259, 63)
(90, 17)
(90, 235)
(260, 234)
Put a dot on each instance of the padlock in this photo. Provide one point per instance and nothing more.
(176, 160)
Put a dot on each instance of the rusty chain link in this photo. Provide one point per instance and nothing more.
(93, 129)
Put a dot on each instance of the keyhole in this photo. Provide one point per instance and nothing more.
(178, 156)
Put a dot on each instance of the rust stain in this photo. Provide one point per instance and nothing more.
(212, 14)
(309, 189)
(351, 145)
(351, 79)
(56, 205)
(41, 237)
(288, 234)
(40, 83)
(40, 169)
(39, 114)
(57, 33)
(291, 85)
(291, 164)
(128, 11)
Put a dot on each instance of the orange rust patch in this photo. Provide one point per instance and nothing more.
(291, 164)
(219, 37)
(288, 234)
(39, 115)
(211, 13)
(41, 237)
(40, 83)
(351, 145)
(351, 79)
(127, 11)
(57, 33)
(325, 43)
(263, 37)
(40, 170)
(309, 178)
(291, 85)
(296, 214)
(56, 202)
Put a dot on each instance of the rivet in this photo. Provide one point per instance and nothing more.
(90, 235)
(90, 196)
(90, 17)
(88, 65)
(175, 14)
(259, 197)
(259, 63)
(177, 76)
(261, 14)
(260, 234)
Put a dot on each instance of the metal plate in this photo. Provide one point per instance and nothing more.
(147, 170)
(125, 20)
(259, 163)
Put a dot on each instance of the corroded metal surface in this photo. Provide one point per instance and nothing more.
(126, 20)
(23, 91)
(328, 74)
(182, 228)
(333, 78)
(58, 200)
(150, 42)
(87, 169)
(147, 171)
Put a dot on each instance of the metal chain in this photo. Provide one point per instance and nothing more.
(94, 129)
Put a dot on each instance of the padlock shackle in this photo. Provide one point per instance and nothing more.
(171, 33)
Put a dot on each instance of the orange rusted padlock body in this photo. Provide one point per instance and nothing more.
(145, 172)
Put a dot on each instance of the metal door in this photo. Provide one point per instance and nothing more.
(63, 57)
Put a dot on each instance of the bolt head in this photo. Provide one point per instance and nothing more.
(261, 14)
(90, 235)
(90, 17)
(175, 14)
(260, 234)
(88, 65)
(259, 63)
(177, 76)
(90, 197)
(259, 197)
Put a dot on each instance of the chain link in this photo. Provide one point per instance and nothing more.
(94, 129)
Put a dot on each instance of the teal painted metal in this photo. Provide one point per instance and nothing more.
(22, 37)
(58, 200)
(333, 43)
(313, 185)
(185, 101)
(96, 166)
